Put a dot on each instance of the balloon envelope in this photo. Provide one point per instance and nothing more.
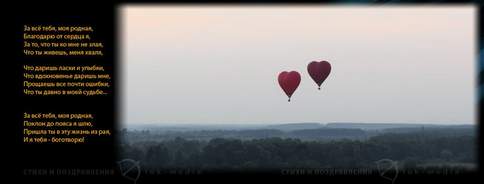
(289, 81)
(319, 71)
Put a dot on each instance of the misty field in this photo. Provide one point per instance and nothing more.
(289, 146)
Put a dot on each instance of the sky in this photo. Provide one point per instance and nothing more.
(219, 64)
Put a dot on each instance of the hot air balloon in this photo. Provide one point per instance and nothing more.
(319, 71)
(289, 81)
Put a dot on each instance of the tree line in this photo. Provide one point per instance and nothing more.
(411, 150)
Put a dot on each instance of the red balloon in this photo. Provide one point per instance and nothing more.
(319, 71)
(289, 81)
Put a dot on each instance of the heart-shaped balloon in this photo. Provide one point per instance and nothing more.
(289, 81)
(319, 71)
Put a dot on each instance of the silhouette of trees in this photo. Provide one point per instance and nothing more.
(410, 149)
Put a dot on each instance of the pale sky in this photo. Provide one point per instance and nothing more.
(219, 64)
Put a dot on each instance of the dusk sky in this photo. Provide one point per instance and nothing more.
(219, 64)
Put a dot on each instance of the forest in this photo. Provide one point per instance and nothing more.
(272, 149)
